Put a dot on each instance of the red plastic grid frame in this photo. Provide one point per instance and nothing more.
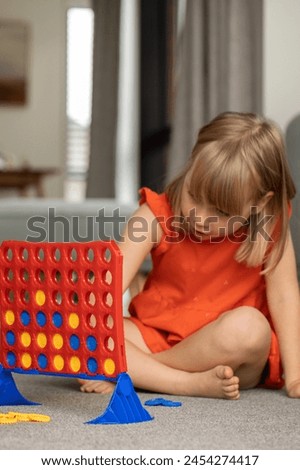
(61, 308)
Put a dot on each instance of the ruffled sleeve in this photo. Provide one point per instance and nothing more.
(159, 205)
(164, 216)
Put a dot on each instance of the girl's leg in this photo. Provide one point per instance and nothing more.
(102, 386)
(239, 338)
(150, 374)
(219, 382)
(137, 284)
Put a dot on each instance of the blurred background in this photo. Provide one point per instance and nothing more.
(100, 97)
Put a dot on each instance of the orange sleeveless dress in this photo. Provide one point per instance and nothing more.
(191, 284)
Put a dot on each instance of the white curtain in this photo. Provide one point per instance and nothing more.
(114, 158)
(105, 98)
(128, 123)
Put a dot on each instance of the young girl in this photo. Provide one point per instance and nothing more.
(220, 310)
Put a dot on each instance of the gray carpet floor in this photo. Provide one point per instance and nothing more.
(261, 419)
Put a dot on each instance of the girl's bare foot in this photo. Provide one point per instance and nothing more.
(293, 389)
(96, 386)
(219, 382)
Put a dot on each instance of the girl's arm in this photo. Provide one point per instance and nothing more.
(284, 303)
(141, 234)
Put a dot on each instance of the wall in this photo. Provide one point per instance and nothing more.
(35, 132)
(281, 90)
(281, 86)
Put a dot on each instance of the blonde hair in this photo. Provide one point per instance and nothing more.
(238, 158)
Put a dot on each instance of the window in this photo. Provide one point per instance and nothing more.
(80, 31)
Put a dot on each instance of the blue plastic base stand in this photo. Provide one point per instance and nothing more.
(124, 406)
(9, 394)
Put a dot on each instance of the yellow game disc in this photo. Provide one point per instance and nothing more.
(26, 360)
(25, 339)
(74, 320)
(19, 416)
(26, 417)
(37, 418)
(9, 317)
(8, 419)
(109, 366)
(58, 362)
(75, 364)
(57, 341)
(40, 297)
(41, 340)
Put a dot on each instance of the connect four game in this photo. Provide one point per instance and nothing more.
(61, 314)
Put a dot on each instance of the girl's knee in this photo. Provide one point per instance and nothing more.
(248, 327)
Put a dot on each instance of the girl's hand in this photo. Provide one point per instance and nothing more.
(293, 389)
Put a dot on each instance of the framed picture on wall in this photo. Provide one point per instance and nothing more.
(14, 45)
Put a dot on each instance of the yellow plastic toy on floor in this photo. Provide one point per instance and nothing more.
(15, 417)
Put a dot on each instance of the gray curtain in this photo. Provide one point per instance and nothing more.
(219, 68)
(293, 151)
(105, 99)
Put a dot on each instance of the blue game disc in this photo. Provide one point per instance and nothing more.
(74, 342)
(57, 319)
(25, 318)
(10, 338)
(41, 318)
(162, 402)
(92, 365)
(42, 361)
